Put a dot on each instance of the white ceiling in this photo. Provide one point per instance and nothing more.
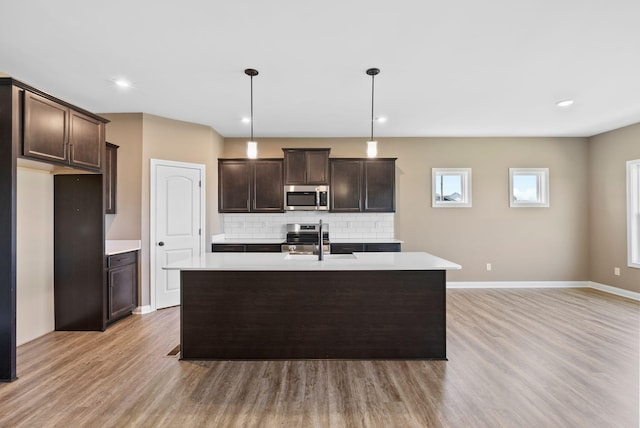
(449, 68)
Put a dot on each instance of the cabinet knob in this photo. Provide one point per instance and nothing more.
(161, 244)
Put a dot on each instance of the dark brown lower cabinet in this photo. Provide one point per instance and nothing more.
(79, 283)
(122, 284)
(313, 314)
(246, 248)
(377, 247)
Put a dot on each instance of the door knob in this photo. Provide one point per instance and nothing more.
(161, 244)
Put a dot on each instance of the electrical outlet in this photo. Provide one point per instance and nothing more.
(616, 271)
(488, 266)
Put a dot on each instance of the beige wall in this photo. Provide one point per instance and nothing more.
(34, 254)
(609, 153)
(125, 131)
(522, 244)
(143, 137)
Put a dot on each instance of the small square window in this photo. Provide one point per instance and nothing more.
(529, 187)
(451, 187)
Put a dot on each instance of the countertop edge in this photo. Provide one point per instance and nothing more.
(119, 246)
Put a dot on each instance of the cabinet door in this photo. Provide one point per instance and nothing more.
(379, 185)
(86, 141)
(384, 247)
(111, 178)
(122, 290)
(45, 128)
(346, 248)
(227, 248)
(346, 177)
(268, 190)
(317, 162)
(295, 167)
(233, 186)
(263, 248)
(78, 252)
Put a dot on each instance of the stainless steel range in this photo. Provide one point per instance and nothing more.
(302, 238)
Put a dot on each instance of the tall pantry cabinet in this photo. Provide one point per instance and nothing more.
(78, 233)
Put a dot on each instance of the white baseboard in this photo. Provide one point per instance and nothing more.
(518, 284)
(142, 310)
(545, 284)
(615, 290)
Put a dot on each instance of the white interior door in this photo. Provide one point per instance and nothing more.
(179, 216)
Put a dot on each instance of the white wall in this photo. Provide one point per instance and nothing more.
(35, 309)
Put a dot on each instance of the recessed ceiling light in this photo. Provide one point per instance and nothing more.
(381, 119)
(246, 120)
(123, 83)
(564, 103)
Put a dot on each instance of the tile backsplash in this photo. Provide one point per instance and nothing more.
(341, 226)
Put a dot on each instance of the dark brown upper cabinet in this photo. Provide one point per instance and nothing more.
(111, 178)
(86, 141)
(250, 186)
(363, 185)
(346, 185)
(45, 128)
(306, 166)
(57, 133)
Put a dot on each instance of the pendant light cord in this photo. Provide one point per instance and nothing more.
(372, 72)
(251, 108)
(372, 90)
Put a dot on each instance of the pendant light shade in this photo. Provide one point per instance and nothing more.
(252, 146)
(372, 145)
(252, 149)
(372, 149)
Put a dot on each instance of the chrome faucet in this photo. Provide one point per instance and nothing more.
(320, 243)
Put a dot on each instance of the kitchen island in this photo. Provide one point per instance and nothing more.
(349, 306)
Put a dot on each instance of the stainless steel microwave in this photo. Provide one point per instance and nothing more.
(306, 198)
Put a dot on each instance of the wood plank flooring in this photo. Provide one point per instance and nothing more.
(517, 358)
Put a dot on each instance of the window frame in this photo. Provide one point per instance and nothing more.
(633, 213)
(542, 188)
(465, 180)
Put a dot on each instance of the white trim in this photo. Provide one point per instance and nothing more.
(143, 310)
(542, 190)
(518, 284)
(152, 220)
(545, 284)
(465, 187)
(633, 213)
(615, 290)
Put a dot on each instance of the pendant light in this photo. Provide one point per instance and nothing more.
(252, 146)
(372, 145)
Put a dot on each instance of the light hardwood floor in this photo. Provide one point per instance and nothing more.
(517, 358)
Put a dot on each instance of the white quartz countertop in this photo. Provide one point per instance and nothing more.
(332, 262)
(118, 246)
(366, 241)
(250, 241)
(333, 241)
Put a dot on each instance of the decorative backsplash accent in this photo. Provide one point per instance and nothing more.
(342, 226)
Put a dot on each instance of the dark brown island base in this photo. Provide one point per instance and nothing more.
(273, 306)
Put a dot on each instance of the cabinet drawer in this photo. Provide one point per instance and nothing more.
(123, 259)
(383, 248)
(346, 248)
(227, 248)
(263, 248)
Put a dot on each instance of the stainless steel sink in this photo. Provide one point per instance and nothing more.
(311, 257)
